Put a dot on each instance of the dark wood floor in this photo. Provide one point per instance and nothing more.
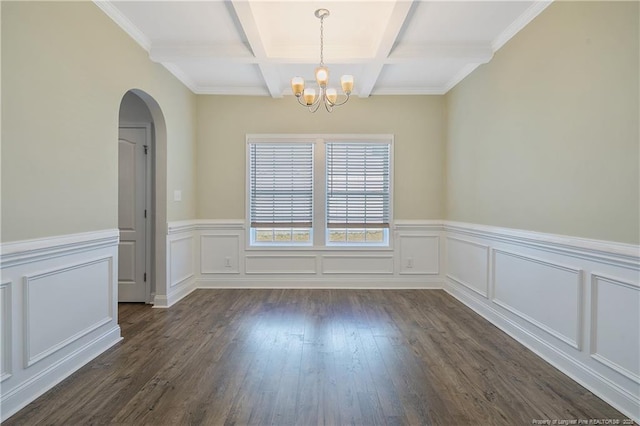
(308, 357)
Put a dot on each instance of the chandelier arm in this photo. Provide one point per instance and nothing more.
(299, 98)
(314, 107)
(318, 98)
(328, 106)
(335, 104)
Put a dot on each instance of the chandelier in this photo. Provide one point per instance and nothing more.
(326, 96)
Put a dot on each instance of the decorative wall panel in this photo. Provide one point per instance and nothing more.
(5, 331)
(468, 264)
(181, 260)
(615, 338)
(419, 254)
(220, 254)
(357, 264)
(276, 264)
(546, 294)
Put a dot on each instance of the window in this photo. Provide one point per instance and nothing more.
(281, 188)
(319, 190)
(357, 193)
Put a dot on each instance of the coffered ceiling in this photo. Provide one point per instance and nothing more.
(254, 47)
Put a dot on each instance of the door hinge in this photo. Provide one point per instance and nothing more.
(146, 149)
(145, 213)
(145, 277)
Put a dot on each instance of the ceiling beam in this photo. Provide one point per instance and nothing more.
(240, 53)
(468, 52)
(237, 53)
(307, 53)
(269, 70)
(399, 15)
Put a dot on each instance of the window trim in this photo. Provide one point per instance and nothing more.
(319, 228)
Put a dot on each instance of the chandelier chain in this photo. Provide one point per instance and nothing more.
(322, 41)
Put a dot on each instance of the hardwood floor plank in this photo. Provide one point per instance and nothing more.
(310, 357)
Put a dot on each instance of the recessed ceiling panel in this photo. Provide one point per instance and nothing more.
(425, 78)
(290, 29)
(181, 21)
(461, 21)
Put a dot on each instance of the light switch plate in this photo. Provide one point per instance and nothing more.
(177, 195)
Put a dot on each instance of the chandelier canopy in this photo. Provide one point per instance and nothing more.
(327, 96)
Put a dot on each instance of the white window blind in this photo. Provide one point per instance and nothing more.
(358, 185)
(281, 185)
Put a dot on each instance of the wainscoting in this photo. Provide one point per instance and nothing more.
(58, 307)
(214, 254)
(574, 302)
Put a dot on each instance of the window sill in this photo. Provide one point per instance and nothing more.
(319, 248)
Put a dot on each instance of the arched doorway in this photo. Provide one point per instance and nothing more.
(141, 198)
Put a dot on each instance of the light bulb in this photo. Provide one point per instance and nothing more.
(322, 76)
(309, 96)
(297, 85)
(347, 83)
(332, 95)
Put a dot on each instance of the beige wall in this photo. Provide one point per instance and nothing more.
(545, 136)
(416, 121)
(65, 68)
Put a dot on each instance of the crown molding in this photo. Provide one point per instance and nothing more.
(522, 21)
(123, 22)
(464, 72)
(232, 90)
(180, 75)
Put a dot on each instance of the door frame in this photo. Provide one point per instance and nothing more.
(148, 202)
(159, 256)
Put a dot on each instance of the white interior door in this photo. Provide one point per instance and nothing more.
(132, 214)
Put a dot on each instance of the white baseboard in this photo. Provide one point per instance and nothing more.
(322, 283)
(177, 294)
(293, 283)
